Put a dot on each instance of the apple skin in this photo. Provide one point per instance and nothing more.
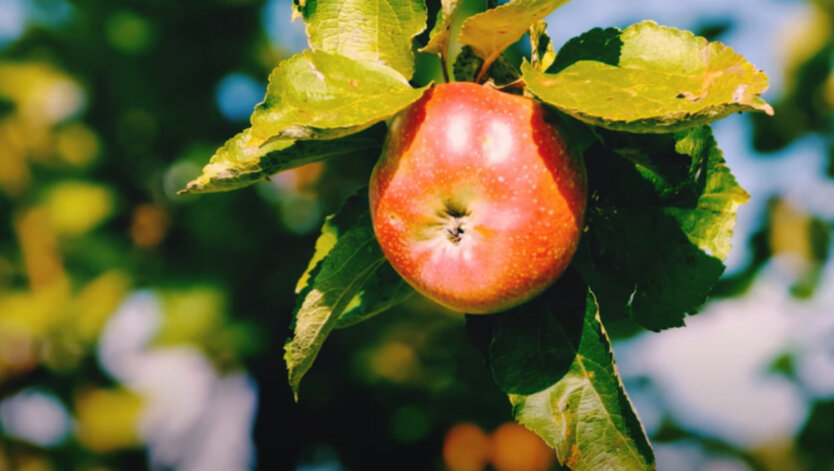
(476, 201)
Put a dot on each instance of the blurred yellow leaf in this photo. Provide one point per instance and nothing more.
(76, 144)
(96, 302)
(76, 207)
(790, 231)
(33, 463)
(34, 313)
(14, 173)
(804, 38)
(190, 316)
(107, 420)
(41, 93)
(39, 245)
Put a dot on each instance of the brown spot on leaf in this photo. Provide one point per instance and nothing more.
(573, 459)
(689, 96)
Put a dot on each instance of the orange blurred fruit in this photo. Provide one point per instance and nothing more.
(149, 225)
(465, 448)
(514, 448)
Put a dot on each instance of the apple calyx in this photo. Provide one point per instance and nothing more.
(454, 221)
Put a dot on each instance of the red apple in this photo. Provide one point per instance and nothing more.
(476, 201)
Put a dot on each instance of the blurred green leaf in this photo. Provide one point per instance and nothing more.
(6, 107)
(318, 95)
(351, 278)
(554, 360)
(244, 160)
(814, 440)
(665, 80)
(492, 31)
(806, 102)
(378, 31)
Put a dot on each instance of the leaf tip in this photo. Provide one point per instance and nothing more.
(294, 373)
(191, 188)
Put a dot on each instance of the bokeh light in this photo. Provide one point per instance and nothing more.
(237, 95)
(35, 416)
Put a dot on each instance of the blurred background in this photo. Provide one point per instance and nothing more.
(144, 330)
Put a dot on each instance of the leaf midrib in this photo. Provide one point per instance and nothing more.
(580, 359)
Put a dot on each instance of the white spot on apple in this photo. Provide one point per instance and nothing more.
(457, 134)
(467, 254)
(442, 253)
(500, 142)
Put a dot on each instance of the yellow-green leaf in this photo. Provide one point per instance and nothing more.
(664, 80)
(318, 95)
(377, 31)
(492, 31)
(244, 159)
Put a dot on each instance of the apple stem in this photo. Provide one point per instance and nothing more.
(514, 85)
(479, 78)
(444, 66)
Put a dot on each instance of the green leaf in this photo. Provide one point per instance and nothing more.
(349, 282)
(664, 80)
(378, 31)
(442, 31)
(542, 53)
(317, 95)
(554, 360)
(660, 219)
(709, 225)
(467, 65)
(383, 290)
(492, 31)
(245, 160)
